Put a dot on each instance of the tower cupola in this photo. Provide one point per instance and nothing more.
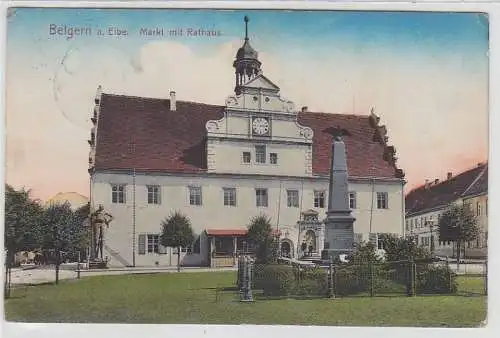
(246, 64)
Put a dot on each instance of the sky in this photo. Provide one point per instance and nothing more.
(424, 73)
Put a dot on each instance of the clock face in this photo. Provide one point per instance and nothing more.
(260, 126)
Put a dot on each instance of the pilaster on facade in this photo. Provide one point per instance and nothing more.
(93, 132)
(308, 159)
(211, 155)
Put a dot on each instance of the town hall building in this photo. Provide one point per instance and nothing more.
(221, 165)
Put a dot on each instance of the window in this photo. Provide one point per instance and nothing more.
(352, 200)
(407, 225)
(247, 157)
(195, 195)
(261, 197)
(273, 158)
(153, 243)
(154, 193)
(478, 208)
(382, 200)
(260, 154)
(141, 244)
(230, 196)
(118, 193)
(319, 199)
(292, 198)
(380, 244)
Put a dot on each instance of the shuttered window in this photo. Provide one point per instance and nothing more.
(142, 244)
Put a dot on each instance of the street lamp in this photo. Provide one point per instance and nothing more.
(431, 225)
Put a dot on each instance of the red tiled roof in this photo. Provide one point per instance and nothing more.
(232, 232)
(464, 184)
(365, 156)
(480, 186)
(143, 134)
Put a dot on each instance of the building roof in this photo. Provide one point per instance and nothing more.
(145, 135)
(74, 199)
(426, 197)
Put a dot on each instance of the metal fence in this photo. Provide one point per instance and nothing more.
(365, 279)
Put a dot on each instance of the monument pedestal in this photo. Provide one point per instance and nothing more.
(339, 235)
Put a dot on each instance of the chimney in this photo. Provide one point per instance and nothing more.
(172, 101)
(98, 94)
(304, 109)
(449, 175)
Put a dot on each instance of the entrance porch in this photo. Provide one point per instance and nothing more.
(226, 245)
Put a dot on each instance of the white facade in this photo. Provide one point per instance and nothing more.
(214, 214)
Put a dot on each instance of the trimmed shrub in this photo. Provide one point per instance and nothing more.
(432, 279)
(275, 280)
(353, 279)
(312, 282)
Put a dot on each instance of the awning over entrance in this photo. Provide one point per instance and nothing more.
(233, 232)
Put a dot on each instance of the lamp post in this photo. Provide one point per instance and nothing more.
(431, 226)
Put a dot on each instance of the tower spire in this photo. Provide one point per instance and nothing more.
(246, 64)
(246, 27)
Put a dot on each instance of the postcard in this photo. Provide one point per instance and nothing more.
(246, 166)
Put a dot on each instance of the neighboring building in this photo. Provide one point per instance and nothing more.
(222, 165)
(74, 199)
(425, 204)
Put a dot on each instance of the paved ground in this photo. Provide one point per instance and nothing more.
(42, 275)
(468, 268)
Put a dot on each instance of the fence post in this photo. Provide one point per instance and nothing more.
(298, 275)
(78, 266)
(448, 269)
(411, 277)
(486, 277)
(372, 287)
(331, 290)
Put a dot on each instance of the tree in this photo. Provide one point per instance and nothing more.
(177, 233)
(260, 233)
(22, 230)
(63, 231)
(401, 249)
(363, 254)
(458, 224)
(81, 240)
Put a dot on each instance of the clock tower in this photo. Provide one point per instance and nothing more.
(259, 132)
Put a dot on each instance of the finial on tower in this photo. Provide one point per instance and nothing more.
(246, 27)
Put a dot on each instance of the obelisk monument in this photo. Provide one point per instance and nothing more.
(339, 231)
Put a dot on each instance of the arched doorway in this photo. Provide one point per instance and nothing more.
(286, 248)
(310, 240)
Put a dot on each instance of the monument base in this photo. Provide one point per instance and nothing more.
(334, 254)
